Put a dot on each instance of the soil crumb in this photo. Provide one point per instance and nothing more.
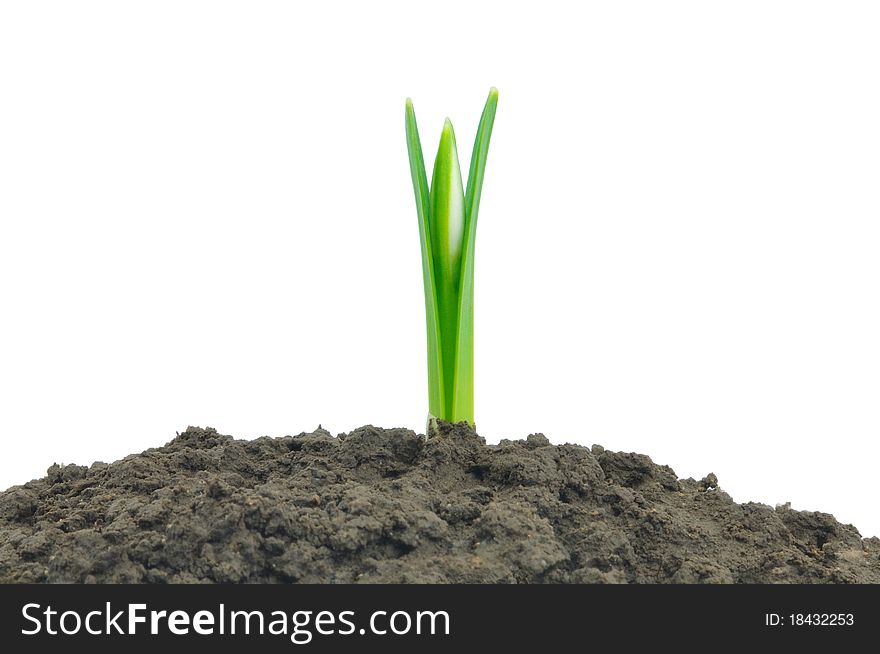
(391, 506)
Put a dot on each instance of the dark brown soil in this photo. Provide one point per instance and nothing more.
(392, 506)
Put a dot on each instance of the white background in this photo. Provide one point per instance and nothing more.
(206, 218)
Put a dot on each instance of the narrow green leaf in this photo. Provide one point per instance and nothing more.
(436, 398)
(447, 233)
(463, 392)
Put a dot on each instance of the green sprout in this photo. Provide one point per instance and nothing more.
(447, 231)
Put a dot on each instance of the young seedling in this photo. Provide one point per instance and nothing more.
(447, 230)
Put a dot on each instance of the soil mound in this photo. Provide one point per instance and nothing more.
(391, 506)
